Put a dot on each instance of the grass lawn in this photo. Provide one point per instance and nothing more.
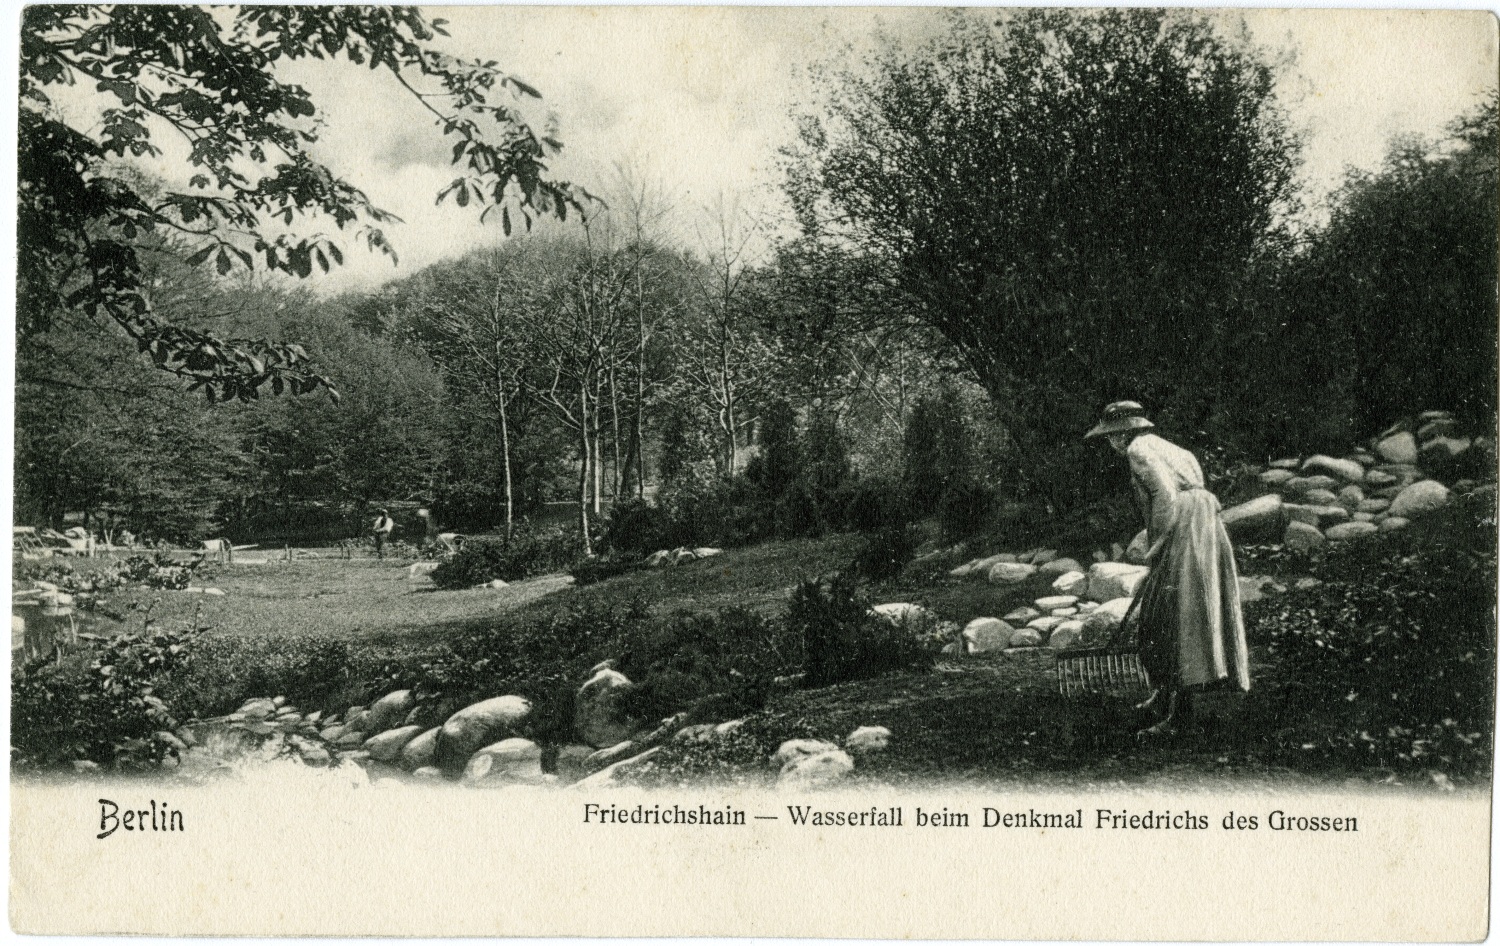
(378, 603)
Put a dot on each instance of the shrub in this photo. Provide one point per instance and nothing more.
(312, 672)
(871, 505)
(1389, 659)
(713, 512)
(541, 657)
(779, 462)
(636, 527)
(99, 704)
(966, 509)
(718, 665)
(886, 552)
(936, 449)
(590, 571)
(530, 551)
(843, 641)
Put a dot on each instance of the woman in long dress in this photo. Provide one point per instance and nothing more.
(1192, 634)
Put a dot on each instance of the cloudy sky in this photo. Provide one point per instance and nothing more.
(698, 100)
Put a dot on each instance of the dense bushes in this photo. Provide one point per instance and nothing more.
(224, 672)
(885, 552)
(529, 551)
(100, 703)
(541, 657)
(722, 665)
(843, 641)
(1388, 660)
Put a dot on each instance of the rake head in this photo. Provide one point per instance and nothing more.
(1101, 672)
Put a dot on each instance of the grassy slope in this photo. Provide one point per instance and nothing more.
(993, 718)
(376, 603)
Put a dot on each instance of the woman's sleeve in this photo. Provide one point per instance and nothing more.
(1152, 480)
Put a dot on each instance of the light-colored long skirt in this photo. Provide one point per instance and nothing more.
(1192, 633)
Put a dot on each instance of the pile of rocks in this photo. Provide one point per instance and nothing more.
(814, 763)
(1084, 607)
(679, 556)
(480, 744)
(1381, 487)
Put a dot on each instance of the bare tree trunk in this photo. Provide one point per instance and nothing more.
(640, 390)
(727, 389)
(598, 461)
(583, 468)
(617, 481)
(510, 500)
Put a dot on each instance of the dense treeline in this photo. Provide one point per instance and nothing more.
(996, 234)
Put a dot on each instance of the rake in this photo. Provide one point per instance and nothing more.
(1113, 670)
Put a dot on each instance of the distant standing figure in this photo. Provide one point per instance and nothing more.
(1192, 633)
(448, 540)
(384, 525)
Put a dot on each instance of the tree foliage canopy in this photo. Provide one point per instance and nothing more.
(1074, 201)
(208, 76)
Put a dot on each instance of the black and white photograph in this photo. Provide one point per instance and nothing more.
(631, 411)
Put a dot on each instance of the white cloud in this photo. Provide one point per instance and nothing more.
(703, 98)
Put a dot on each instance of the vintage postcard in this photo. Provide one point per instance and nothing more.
(986, 473)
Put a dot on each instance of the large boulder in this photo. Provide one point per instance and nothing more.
(1393, 523)
(420, 752)
(1373, 505)
(387, 746)
(868, 740)
(1022, 615)
(1399, 447)
(1301, 484)
(1351, 496)
(1042, 556)
(1420, 498)
(980, 567)
(389, 710)
(1065, 635)
(478, 725)
(1053, 602)
(815, 771)
(1010, 573)
(1026, 637)
(1441, 454)
(1071, 583)
(1274, 478)
(1257, 518)
(1316, 515)
(1099, 625)
(793, 749)
(1059, 566)
(1044, 626)
(1350, 530)
(964, 570)
(1378, 478)
(1110, 580)
(986, 634)
(509, 760)
(596, 709)
(1301, 535)
(1347, 470)
(1321, 497)
(1439, 426)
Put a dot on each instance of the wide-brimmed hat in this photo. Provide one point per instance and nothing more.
(1119, 417)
